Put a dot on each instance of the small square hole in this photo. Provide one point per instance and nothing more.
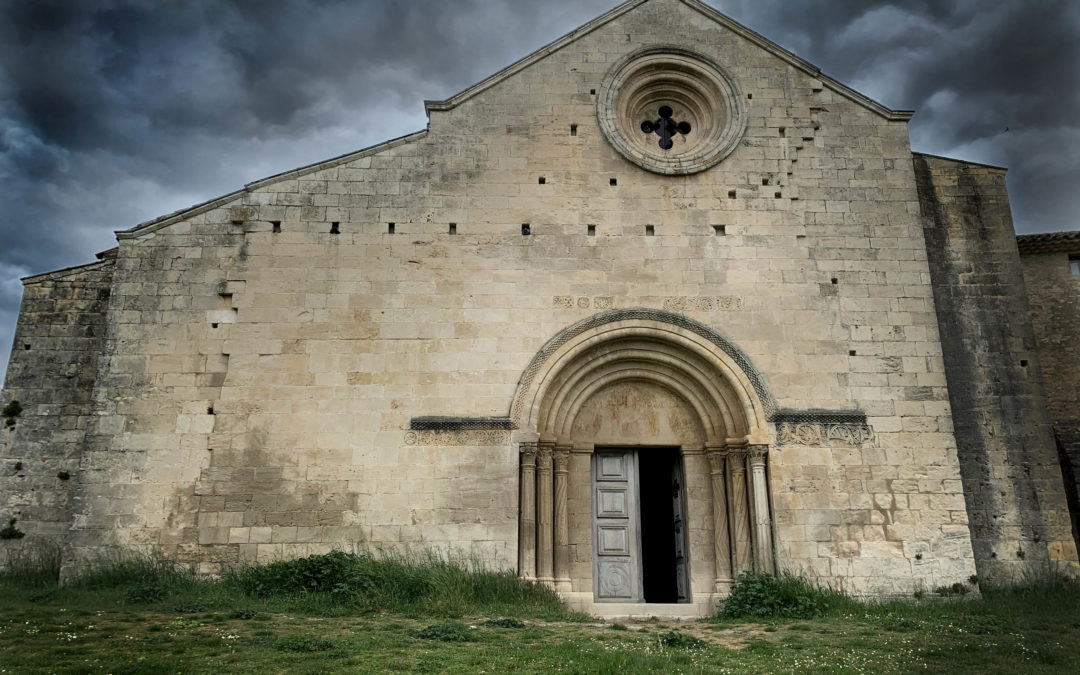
(719, 230)
(1023, 363)
(453, 228)
(764, 181)
(592, 92)
(276, 225)
(650, 230)
(852, 353)
(592, 230)
(613, 181)
(731, 194)
(778, 195)
(835, 280)
(749, 97)
(783, 132)
(210, 410)
(26, 347)
(573, 130)
(525, 230)
(335, 227)
(213, 325)
(390, 227)
(543, 181)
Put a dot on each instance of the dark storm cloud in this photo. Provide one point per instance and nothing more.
(116, 111)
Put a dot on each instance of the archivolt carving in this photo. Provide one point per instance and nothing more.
(682, 355)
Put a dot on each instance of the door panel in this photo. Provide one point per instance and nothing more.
(612, 502)
(678, 491)
(617, 541)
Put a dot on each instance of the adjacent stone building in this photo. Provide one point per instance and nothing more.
(1051, 264)
(655, 305)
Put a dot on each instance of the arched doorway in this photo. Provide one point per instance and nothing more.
(644, 451)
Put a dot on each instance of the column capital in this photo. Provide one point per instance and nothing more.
(561, 455)
(736, 461)
(717, 455)
(758, 454)
(544, 452)
(528, 452)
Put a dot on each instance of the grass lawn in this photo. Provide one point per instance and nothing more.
(139, 623)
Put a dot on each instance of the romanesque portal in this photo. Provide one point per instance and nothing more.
(648, 477)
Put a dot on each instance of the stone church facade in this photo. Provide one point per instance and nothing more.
(656, 305)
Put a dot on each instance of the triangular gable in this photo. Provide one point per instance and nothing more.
(504, 74)
(722, 19)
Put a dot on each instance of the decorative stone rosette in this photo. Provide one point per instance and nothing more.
(671, 111)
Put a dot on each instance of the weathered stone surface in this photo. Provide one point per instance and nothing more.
(1017, 509)
(261, 367)
(1053, 290)
(51, 374)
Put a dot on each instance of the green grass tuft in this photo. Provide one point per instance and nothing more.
(446, 631)
(303, 643)
(427, 583)
(784, 596)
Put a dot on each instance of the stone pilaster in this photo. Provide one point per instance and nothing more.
(527, 522)
(739, 512)
(721, 532)
(562, 531)
(544, 510)
(759, 496)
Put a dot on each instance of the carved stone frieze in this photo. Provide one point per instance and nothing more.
(723, 303)
(457, 438)
(854, 434)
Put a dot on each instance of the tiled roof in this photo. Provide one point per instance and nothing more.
(1048, 241)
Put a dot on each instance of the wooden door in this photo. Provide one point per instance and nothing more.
(616, 528)
(678, 494)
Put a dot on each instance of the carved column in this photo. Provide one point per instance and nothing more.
(527, 522)
(721, 533)
(562, 529)
(739, 512)
(544, 530)
(763, 557)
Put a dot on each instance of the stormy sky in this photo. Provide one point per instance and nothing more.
(113, 112)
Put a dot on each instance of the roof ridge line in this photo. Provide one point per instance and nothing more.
(202, 207)
(716, 15)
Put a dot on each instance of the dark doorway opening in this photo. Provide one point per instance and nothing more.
(662, 529)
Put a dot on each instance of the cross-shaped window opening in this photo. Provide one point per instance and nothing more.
(665, 127)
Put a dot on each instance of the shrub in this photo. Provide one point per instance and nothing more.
(506, 622)
(783, 596)
(145, 593)
(679, 640)
(11, 532)
(10, 412)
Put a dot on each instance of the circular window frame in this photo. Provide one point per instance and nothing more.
(665, 73)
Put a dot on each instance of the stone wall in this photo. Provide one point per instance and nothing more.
(1054, 297)
(267, 350)
(1012, 479)
(51, 374)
